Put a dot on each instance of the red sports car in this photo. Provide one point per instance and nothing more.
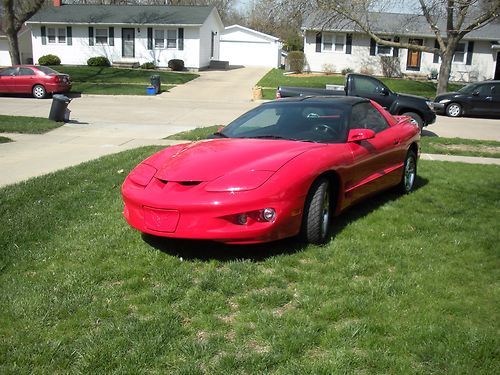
(37, 80)
(282, 169)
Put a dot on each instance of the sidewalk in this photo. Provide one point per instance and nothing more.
(460, 159)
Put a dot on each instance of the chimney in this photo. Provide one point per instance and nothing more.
(57, 3)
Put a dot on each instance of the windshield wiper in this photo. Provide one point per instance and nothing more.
(218, 135)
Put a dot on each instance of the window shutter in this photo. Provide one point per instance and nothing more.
(318, 42)
(111, 36)
(436, 55)
(348, 44)
(91, 36)
(69, 35)
(44, 35)
(180, 37)
(373, 47)
(150, 38)
(395, 50)
(470, 50)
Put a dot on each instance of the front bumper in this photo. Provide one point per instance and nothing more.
(439, 108)
(193, 213)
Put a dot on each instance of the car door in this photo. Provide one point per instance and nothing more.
(7, 77)
(372, 88)
(376, 161)
(481, 101)
(495, 97)
(25, 80)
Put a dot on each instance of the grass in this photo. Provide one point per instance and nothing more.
(460, 146)
(5, 140)
(430, 145)
(28, 125)
(275, 78)
(407, 285)
(119, 81)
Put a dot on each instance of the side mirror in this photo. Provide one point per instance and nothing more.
(475, 93)
(357, 135)
(384, 91)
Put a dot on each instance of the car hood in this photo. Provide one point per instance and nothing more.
(208, 160)
(448, 95)
(413, 98)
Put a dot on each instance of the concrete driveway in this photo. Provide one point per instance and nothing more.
(103, 125)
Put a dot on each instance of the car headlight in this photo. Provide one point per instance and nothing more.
(142, 174)
(444, 101)
(429, 104)
(239, 181)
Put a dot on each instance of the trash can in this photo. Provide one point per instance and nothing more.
(156, 82)
(59, 108)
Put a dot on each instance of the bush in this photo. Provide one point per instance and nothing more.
(391, 66)
(98, 61)
(368, 70)
(328, 69)
(148, 65)
(346, 71)
(176, 65)
(296, 61)
(49, 60)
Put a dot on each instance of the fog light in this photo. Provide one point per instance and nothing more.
(242, 219)
(268, 214)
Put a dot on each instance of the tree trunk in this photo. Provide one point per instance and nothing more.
(13, 47)
(444, 72)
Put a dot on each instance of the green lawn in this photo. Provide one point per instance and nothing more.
(407, 285)
(119, 81)
(275, 78)
(26, 124)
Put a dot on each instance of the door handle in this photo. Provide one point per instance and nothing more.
(396, 141)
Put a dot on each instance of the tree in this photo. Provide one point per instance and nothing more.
(15, 14)
(461, 17)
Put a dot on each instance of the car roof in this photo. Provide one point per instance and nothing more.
(346, 100)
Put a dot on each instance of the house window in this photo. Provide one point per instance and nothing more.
(56, 35)
(459, 53)
(172, 38)
(101, 36)
(333, 42)
(384, 50)
(159, 38)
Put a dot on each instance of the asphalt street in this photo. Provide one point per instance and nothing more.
(101, 125)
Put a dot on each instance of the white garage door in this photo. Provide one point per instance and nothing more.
(249, 53)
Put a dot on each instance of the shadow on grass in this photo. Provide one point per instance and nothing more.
(210, 250)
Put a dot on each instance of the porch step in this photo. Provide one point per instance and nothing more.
(125, 64)
(219, 65)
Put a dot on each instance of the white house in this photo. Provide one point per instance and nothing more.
(127, 33)
(25, 52)
(243, 46)
(342, 45)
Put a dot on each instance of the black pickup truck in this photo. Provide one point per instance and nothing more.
(417, 107)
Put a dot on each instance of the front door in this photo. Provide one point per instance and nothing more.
(128, 42)
(413, 58)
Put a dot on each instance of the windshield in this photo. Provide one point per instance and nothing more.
(298, 121)
(469, 89)
(47, 70)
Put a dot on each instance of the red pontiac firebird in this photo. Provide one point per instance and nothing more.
(36, 80)
(282, 169)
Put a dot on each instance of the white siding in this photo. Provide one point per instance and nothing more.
(482, 67)
(211, 25)
(4, 53)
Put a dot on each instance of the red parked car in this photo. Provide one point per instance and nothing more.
(282, 169)
(33, 79)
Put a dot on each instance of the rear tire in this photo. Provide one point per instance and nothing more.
(416, 118)
(39, 91)
(409, 173)
(317, 213)
(454, 110)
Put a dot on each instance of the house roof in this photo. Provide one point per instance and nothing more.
(395, 24)
(250, 31)
(124, 14)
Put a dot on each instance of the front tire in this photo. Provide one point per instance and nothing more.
(409, 173)
(39, 91)
(454, 110)
(417, 119)
(317, 213)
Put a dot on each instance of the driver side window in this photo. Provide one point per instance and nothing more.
(365, 116)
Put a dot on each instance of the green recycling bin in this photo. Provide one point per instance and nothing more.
(156, 82)
(59, 107)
